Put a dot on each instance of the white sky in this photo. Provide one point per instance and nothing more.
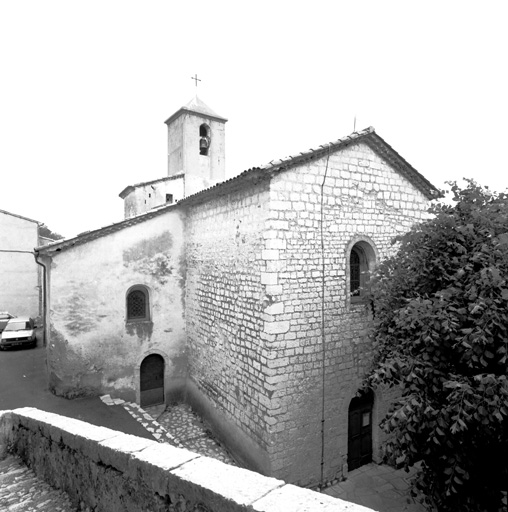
(85, 88)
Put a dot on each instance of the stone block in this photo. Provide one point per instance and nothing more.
(276, 308)
(267, 337)
(220, 486)
(116, 451)
(273, 289)
(276, 327)
(6, 432)
(152, 463)
(278, 205)
(291, 498)
(275, 265)
(278, 224)
(270, 278)
(270, 254)
(275, 243)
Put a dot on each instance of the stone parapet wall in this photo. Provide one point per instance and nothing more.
(106, 470)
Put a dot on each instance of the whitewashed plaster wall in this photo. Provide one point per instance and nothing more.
(92, 348)
(19, 273)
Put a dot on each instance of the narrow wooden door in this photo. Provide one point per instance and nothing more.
(360, 431)
(152, 380)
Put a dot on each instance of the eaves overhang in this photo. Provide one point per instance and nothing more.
(130, 188)
(88, 236)
(368, 136)
(21, 217)
(258, 175)
(185, 110)
(196, 107)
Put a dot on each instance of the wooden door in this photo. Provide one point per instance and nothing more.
(360, 431)
(152, 380)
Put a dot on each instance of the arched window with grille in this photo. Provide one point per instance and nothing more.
(138, 305)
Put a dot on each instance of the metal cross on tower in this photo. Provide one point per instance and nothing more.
(196, 79)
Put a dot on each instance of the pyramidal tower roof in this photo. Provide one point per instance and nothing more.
(198, 107)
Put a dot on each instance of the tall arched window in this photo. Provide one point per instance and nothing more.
(204, 139)
(361, 260)
(138, 304)
(355, 282)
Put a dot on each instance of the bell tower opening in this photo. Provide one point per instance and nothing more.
(192, 154)
(204, 139)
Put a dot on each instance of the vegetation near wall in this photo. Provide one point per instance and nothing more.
(441, 310)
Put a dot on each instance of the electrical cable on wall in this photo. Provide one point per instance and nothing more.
(323, 340)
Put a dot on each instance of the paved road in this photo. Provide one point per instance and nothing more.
(23, 383)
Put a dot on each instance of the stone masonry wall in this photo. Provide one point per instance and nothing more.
(268, 306)
(316, 220)
(106, 470)
(224, 301)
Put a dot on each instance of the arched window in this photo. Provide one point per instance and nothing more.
(361, 260)
(355, 282)
(138, 304)
(204, 139)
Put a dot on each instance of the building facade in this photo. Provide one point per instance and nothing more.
(20, 281)
(251, 302)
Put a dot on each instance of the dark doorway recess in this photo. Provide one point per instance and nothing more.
(152, 380)
(360, 431)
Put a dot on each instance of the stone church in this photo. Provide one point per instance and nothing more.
(244, 297)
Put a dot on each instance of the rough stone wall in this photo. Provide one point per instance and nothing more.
(93, 349)
(19, 274)
(224, 302)
(318, 220)
(268, 305)
(145, 197)
(103, 470)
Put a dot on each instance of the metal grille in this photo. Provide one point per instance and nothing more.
(136, 304)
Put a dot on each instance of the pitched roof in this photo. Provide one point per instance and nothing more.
(88, 236)
(367, 136)
(258, 174)
(20, 216)
(196, 106)
(130, 188)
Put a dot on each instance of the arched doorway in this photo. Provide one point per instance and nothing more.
(360, 431)
(152, 380)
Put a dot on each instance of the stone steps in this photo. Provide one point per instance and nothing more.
(22, 491)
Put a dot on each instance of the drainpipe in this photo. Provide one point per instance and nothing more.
(323, 325)
(44, 296)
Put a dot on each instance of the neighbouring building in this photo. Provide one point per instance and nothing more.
(243, 297)
(20, 276)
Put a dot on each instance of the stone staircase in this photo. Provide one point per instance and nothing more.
(22, 491)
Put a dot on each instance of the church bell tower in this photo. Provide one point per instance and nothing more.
(196, 160)
(196, 146)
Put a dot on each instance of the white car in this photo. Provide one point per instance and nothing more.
(18, 331)
(4, 318)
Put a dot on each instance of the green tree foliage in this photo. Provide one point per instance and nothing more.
(441, 335)
(46, 232)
